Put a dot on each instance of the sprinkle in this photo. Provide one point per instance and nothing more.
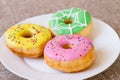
(14, 37)
(47, 38)
(84, 49)
(79, 40)
(80, 55)
(67, 37)
(38, 31)
(47, 46)
(51, 43)
(19, 42)
(33, 27)
(86, 46)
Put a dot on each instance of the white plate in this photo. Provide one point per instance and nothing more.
(104, 38)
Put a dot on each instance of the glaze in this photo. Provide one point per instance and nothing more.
(77, 20)
(27, 36)
(79, 47)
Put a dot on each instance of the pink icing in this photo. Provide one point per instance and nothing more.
(80, 47)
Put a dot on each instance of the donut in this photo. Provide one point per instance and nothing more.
(27, 40)
(71, 21)
(69, 53)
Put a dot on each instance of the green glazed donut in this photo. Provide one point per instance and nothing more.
(69, 21)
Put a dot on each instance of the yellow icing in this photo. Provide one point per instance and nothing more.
(27, 36)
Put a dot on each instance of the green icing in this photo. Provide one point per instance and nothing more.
(77, 29)
(88, 17)
(80, 19)
(62, 31)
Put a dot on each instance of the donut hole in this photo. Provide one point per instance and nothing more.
(27, 35)
(68, 21)
(67, 46)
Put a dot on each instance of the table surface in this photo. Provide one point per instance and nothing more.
(14, 11)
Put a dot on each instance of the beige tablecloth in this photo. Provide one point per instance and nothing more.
(13, 11)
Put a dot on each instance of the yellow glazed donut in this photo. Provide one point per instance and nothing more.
(27, 39)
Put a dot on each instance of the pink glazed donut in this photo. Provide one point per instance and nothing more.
(69, 53)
